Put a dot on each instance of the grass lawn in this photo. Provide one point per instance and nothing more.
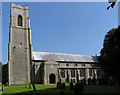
(52, 90)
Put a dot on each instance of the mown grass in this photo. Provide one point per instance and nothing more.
(52, 90)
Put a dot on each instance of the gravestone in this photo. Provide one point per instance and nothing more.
(78, 89)
(71, 86)
(63, 85)
(58, 85)
(89, 81)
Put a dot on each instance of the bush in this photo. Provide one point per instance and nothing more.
(83, 81)
(94, 81)
(78, 89)
(103, 81)
(60, 85)
(71, 86)
(5, 74)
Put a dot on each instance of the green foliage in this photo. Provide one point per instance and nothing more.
(112, 3)
(0, 74)
(4, 73)
(109, 55)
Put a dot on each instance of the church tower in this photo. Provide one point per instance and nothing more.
(20, 46)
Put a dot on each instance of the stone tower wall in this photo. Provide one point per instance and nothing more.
(20, 47)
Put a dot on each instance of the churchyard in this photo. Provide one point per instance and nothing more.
(53, 90)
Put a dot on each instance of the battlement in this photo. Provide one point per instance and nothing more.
(19, 6)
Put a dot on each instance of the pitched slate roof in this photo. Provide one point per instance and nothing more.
(63, 57)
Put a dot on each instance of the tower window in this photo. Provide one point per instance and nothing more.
(20, 44)
(19, 20)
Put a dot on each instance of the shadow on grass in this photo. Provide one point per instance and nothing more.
(67, 91)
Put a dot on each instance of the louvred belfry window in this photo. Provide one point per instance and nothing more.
(19, 20)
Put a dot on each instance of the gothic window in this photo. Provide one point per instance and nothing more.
(72, 73)
(63, 73)
(19, 20)
(82, 73)
(90, 72)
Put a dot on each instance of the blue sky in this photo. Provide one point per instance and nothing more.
(72, 28)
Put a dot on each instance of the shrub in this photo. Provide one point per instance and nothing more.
(103, 81)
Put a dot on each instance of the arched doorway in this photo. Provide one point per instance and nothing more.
(52, 78)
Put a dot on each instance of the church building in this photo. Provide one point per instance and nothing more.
(26, 66)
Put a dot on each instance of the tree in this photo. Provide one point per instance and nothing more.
(112, 3)
(109, 55)
(0, 73)
(4, 73)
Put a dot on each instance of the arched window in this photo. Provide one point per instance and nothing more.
(62, 73)
(82, 72)
(72, 73)
(19, 20)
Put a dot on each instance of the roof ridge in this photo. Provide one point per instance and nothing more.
(63, 54)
